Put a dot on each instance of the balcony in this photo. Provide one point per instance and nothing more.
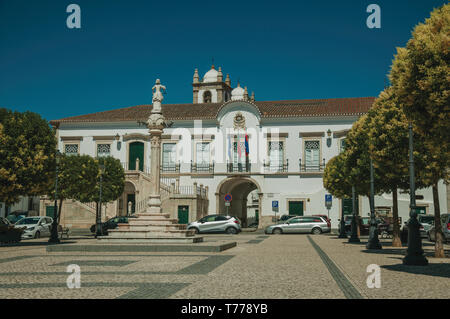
(170, 168)
(202, 168)
(311, 168)
(276, 167)
(238, 167)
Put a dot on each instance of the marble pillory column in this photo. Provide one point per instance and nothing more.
(153, 225)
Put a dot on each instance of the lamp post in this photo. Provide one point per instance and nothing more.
(54, 232)
(99, 231)
(354, 236)
(342, 233)
(414, 254)
(373, 242)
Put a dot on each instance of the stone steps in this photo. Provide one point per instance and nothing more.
(145, 219)
(153, 227)
(136, 233)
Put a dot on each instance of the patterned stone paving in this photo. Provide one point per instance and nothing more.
(260, 266)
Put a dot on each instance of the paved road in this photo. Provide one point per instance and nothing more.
(260, 266)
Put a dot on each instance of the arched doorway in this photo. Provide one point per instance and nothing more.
(128, 196)
(240, 189)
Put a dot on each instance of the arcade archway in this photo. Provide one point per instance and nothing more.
(240, 188)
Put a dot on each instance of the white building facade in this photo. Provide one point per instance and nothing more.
(263, 153)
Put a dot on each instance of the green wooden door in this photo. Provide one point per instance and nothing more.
(183, 214)
(296, 208)
(50, 211)
(131, 198)
(136, 151)
(421, 210)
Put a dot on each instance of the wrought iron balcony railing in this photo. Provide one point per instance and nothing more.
(170, 168)
(238, 167)
(319, 167)
(202, 167)
(276, 167)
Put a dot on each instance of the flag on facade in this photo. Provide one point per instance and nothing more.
(229, 148)
(239, 147)
(246, 145)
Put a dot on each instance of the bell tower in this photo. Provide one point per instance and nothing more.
(212, 88)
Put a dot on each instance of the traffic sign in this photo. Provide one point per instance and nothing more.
(274, 204)
(328, 198)
(228, 197)
(227, 204)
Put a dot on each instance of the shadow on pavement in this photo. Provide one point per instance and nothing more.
(37, 244)
(400, 251)
(437, 270)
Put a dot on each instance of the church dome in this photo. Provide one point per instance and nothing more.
(211, 76)
(237, 93)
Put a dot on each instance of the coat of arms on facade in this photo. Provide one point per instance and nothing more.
(239, 121)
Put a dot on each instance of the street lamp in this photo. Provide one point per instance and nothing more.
(354, 236)
(373, 242)
(54, 232)
(342, 233)
(414, 254)
(99, 231)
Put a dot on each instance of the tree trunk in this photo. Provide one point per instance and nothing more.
(59, 210)
(96, 216)
(396, 241)
(439, 246)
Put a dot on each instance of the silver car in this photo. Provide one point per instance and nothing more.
(35, 227)
(445, 222)
(427, 222)
(299, 225)
(216, 224)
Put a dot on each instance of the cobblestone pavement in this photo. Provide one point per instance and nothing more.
(260, 266)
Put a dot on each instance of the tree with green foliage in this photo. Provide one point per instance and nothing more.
(113, 181)
(76, 177)
(357, 155)
(388, 146)
(79, 179)
(420, 77)
(27, 155)
(334, 179)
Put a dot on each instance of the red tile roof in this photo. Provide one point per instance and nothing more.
(268, 109)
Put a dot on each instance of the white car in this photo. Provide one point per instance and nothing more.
(35, 227)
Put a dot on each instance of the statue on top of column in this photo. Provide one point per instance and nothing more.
(158, 89)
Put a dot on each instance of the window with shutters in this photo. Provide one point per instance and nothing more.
(71, 149)
(312, 155)
(103, 150)
(276, 155)
(203, 153)
(169, 157)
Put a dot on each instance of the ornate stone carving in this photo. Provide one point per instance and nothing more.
(239, 121)
(157, 96)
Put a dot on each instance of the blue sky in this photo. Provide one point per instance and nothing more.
(278, 49)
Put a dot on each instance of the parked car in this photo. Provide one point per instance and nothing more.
(17, 215)
(5, 222)
(348, 224)
(216, 224)
(111, 223)
(324, 216)
(285, 217)
(445, 223)
(35, 227)
(427, 222)
(300, 224)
